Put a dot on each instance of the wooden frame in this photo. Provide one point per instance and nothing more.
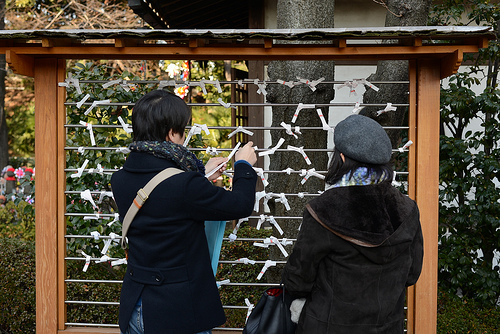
(42, 54)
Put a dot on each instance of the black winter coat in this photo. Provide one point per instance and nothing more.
(168, 261)
(358, 249)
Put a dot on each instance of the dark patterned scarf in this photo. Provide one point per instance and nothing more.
(184, 158)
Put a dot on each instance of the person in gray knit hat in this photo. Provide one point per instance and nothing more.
(360, 243)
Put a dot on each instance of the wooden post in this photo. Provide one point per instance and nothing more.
(427, 191)
(412, 120)
(61, 197)
(46, 121)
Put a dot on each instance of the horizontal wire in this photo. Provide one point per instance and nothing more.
(245, 81)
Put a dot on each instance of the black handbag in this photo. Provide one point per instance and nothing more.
(271, 315)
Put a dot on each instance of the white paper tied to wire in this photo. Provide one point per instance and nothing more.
(103, 259)
(82, 101)
(172, 83)
(250, 308)
(222, 164)
(405, 146)
(204, 82)
(275, 224)
(95, 104)
(226, 105)
(122, 82)
(86, 195)
(272, 150)
(261, 221)
(312, 84)
(268, 264)
(221, 283)
(126, 127)
(290, 84)
(240, 129)
(282, 199)
(306, 174)
(88, 126)
(103, 194)
(245, 260)
(272, 241)
(124, 150)
(261, 195)
(113, 237)
(301, 106)
(119, 262)
(211, 150)
(387, 108)
(395, 183)
(81, 169)
(301, 151)
(95, 234)
(261, 87)
(260, 173)
(357, 108)
(352, 84)
(288, 128)
(232, 237)
(196, 129)
(87, 261)
(325, 125)
(70, 81)
(115, 219)
(288, 170)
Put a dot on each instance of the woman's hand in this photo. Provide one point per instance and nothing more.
(214, 163)
(246, 153)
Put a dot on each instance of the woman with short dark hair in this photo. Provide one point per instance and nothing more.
(360, 243)
(169, 286)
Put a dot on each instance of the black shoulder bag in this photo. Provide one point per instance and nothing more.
(271, 315)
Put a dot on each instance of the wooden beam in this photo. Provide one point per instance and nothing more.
(46, 122)
(244, 52)
(86, 330)
(20, 64)
(427, 191)
(451, 63)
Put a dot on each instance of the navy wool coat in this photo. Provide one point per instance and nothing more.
(168, 260)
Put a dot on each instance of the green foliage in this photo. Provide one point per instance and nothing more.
(94, 292)
(107, 159)
(470, 167)
(21, 124)
(17, 286)
(459, 316)
(241, 273)
(17, 220)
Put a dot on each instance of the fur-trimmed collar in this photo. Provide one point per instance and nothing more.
(364, 215)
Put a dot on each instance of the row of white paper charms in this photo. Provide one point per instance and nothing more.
(198, 128)
(352, 84)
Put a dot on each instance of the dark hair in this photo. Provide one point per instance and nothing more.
(158, 112)
(339, 168)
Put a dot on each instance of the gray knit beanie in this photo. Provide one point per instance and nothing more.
(363, 139)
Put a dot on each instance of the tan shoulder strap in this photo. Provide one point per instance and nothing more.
(142, 196)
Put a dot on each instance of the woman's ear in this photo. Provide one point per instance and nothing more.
(342, 156)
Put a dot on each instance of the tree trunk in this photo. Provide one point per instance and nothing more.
(294, 14)
(4, 139)
(399, 13)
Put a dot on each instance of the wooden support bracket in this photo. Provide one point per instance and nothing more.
(124, 42)
(451, 63)
(268, 43)
(53, 42)
(20, 64)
